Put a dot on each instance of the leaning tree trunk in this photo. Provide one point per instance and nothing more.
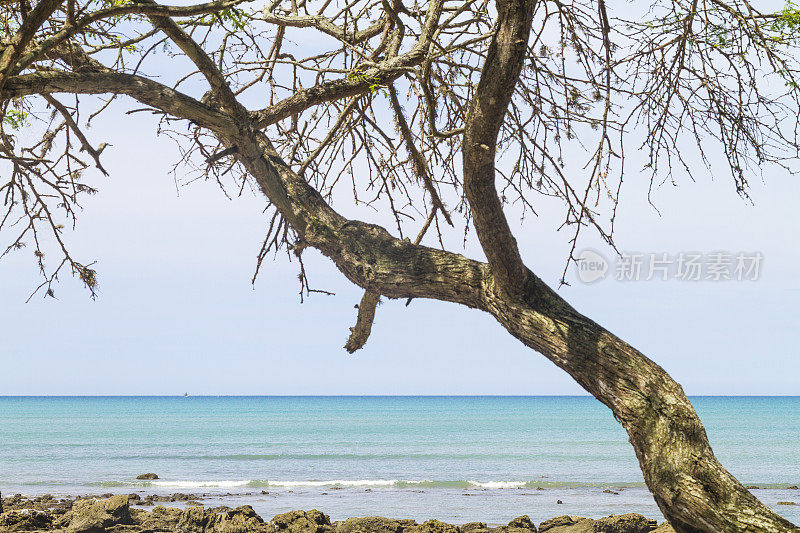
(692, 489)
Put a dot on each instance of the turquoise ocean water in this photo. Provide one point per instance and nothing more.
(457, 459)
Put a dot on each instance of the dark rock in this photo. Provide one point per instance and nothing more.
(793, 487)
(135, 497)
(181, 497)
(609, 491)
(302, 522)
(94, 516)
(429, 526)
(522, 522)
(558, 522)
(372, 524)
(626, 523)
(113, 515)
(787, 503)
(474, 527)
(147, 476)
(664, 528)
(159, 519)
(25, 520)
(559, 502)
(749, 487)
(195, 519)
(240, 520)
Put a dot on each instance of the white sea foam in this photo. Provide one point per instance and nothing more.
(499, 484)
(199, 484)
(337, 483)
(185, 484)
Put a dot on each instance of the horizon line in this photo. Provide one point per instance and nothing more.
(367, 396)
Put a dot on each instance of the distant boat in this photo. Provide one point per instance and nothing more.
(185, 394)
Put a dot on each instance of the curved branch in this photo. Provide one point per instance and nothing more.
(206, 66)
(133, 9)
(499, 76)
(17, 44)
(142, 89)
(382, 73)
(417, 159)
(324, 25)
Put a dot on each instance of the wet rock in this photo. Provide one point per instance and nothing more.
(159, 519)
(429, 526)
(793, 487)
(134, 497)
(46, 502)
(147, 476)
(787, 503)
(559, 522)
(240, 520)
(626, 523)
(181, 497)
(475, 527)
(94, 516)
(664, 528)
(522, 522)
(25, 520)
(302, 522)
(195, 520)
(371, 524)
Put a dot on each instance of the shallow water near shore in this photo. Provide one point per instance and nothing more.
(457, 459)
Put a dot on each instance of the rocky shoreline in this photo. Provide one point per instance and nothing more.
(118, 514)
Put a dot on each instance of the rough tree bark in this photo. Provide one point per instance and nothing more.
(693, 490)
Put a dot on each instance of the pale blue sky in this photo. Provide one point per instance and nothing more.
(177, 313)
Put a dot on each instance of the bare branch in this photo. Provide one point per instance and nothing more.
(366, 314)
